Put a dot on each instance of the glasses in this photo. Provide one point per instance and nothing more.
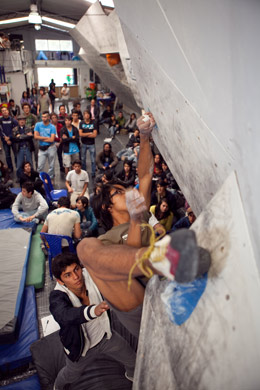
(118, 191)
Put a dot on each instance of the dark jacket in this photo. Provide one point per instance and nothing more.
(96, 111)
(66, 141)
(133, 140)
(106, 160)
(127, 181)
(22, 138)
(69, 318)
(90, 216)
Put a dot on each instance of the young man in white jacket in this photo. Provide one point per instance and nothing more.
(78, 307)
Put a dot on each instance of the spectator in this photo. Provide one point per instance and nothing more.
(31, 121)
(52, 94)
(7, 123)
(29, 174)
(45, 132)
(65, 94)
(77, 107)
(171, 182)
(14, 109)
(106, 159)
(113, 126)
(34, 100)
(58, 127)
(5, 179)
(44, 103)
(163, 214)
(77, 182)
(23, 139)
(162, 192)
(75, 118)
(121, 120)
(185, 222)
(29, 205)
(70, 143)
(131, 123)
(62, 115)
(63, 221)
(133, 142)
(88, 134)
(106, 115)
(93, 108)
(25, 99)
(126, 176)
(88, 221)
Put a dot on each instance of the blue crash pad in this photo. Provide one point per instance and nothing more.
(181, 299)
(17, 354)
(7, 221)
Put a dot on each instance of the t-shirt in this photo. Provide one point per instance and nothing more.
(118, 235)
(87, 128)
(45, 131)
(65, 91)
(61, 221)
(77, 180)
(44, 102)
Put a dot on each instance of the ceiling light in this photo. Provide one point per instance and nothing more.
(37, 27)
(15, 20)
(58, 22)
(34, 17)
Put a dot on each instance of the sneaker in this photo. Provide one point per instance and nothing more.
(43, 248)
(130, 378)
(178, 257)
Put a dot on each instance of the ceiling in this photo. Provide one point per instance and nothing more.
(60, 9)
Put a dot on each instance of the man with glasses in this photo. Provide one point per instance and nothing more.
(45, 132)
(122, 212)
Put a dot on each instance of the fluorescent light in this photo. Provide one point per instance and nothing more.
(58, 22)
(106, 3)
(15, 20)
(35, 18)
(54, 28)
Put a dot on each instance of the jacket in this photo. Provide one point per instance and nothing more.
(66, 141)
(90, 216)
(22, 138)
(71, 315)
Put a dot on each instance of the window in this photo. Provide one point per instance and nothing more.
(60, 76)
(53, 45)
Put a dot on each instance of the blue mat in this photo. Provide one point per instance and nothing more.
(181, 299)
(18, 354)
(15, 190)
(7, 221)
(31, 383)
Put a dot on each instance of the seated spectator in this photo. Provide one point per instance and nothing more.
(157, 160)
(162, 192)
(29, 205)
(158, 175)
(88, 221)
(30, 175)
(77, 108)
(14, 109)
(113, 126)
(106, 115)
(6, 197)
(62, 114)
(163, 213)
(77, 182)
(127, 176)
(5, 178)
(121, 120)
(97, 190)
(171, 182)
(106, 159)
(185, 222)
(131, 123)
(105, 178)
(63, 221)
(70, 143)
(22, 137)
(133, 141)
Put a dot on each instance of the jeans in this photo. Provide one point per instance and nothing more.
(112, 130)
(92, 152)
(7, 150)
(24, 154)
(49, 154)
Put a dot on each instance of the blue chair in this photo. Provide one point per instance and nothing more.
(53, 244)
(51, 194)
